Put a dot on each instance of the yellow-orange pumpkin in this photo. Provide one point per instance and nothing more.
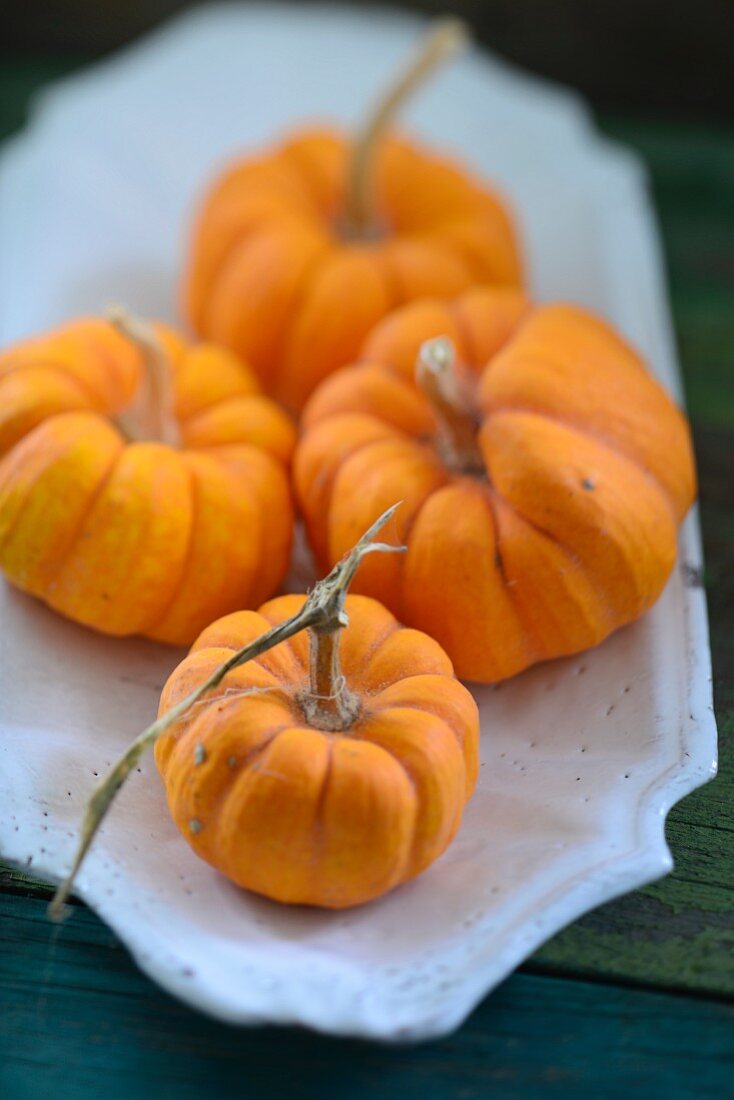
(299, 251)
(326, 786)
(155, 534)
(542, 488)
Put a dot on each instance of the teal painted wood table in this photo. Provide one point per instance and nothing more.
(636, 996)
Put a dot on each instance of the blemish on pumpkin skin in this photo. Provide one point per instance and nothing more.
(199, 755)
(588, 484)
(270, 773)
(195, 825)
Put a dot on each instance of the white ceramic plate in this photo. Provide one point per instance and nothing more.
(581, 758)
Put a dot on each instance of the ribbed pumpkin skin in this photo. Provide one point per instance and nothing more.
(571, 534)
(310, 817)
(139, 538)
(274, 276)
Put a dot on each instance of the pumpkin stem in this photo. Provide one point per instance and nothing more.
(329, 705)
(150, 414)
(323, 612)
(445, 39)
(435, 374)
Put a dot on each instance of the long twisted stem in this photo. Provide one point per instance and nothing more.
(445, 39)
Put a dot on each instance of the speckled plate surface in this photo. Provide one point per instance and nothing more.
(581, 758)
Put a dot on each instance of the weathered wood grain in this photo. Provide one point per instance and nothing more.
(79, 1022)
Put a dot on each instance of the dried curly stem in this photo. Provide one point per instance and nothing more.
(322, 612)
(435, 374)
(150, 415)
(442, 42)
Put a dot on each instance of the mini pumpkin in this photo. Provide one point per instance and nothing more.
(143, 484)
(542, 491)
(299, 251)
(330, 768)
(321, 768)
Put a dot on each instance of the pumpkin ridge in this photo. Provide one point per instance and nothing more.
(603, 441)
(255, 582)
(534, 643)
(424, 709)
(464, 329)
(410, 775)
(409, 525)
(198, 647)
(358, 450)
(623, 560)
(190, 733)
(216, 809)
(268, 737)
(176, 592)
(236, 236)
(186, 423)
(205, 403)
(300, 298)
(572, 557)
(202, 322)
(244, 766)
(369, 357)
(30, 397)
(356, 672)
(221, 696)
(318, 817)
(75, 538)
(575, 563)
(131, 573)
(247, 413)
(395, 285)
(414, 444)
(99, 348)
(97, 404)
(302, 167)
(266, 225)
(91, 501)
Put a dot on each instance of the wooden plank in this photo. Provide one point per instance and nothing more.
(80, 1022)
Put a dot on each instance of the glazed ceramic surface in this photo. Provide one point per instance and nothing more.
(582, 758)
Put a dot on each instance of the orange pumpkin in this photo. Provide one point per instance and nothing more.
(131, 508)
(542, 491)
(326, 770)
(299, 251)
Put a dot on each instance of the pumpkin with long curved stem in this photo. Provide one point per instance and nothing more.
(542, 493)
(298, 252)
(143, 484)
(314, 751)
